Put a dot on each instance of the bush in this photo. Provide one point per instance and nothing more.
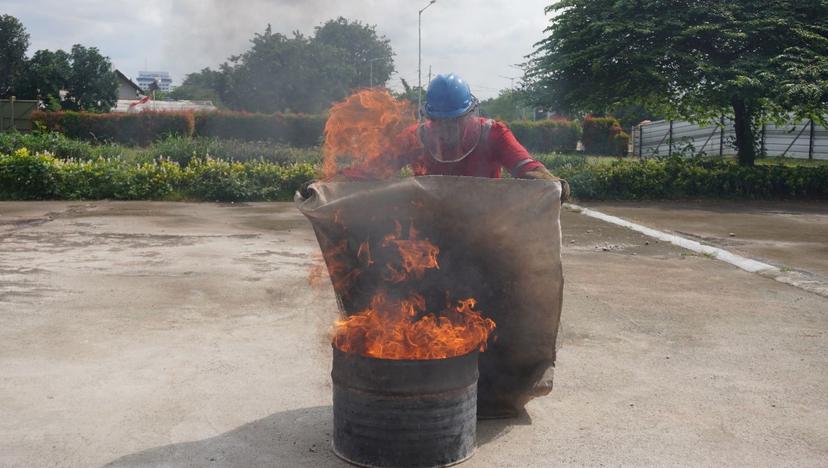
(54, 143)
(28, 176)
(604, 135)
(547, 136)
(182, 150)
(140, 128)
(292, 129)
(680, 178)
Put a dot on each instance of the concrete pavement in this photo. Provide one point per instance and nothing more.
(175, 334)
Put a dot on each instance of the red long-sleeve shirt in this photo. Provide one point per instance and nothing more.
(500, 150)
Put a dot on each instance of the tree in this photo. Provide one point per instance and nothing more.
(281, 73)
(753, 61)
(371, 55)
(204, 85)
(296, 73)
(411, 93)
(14, 41)
(92, 85)
(46, 74)
(509, 105)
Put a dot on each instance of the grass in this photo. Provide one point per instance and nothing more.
(792, 162)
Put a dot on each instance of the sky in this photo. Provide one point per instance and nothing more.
(480, 40)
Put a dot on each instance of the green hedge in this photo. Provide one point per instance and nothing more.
(139, 128)
(182, 150)
(604, 135)
(676, 178)
(39, 176)
(143, 128)
(546, 136)
(293, 129)
(176, 148)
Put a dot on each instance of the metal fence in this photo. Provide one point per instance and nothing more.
(16, 114)
(804, 140)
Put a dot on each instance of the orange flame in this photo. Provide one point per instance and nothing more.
(388, 330)
(417, 255)
(366, 131)
(401, 328)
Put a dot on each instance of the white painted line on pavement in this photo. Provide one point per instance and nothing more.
(744, 263)
(806, 282)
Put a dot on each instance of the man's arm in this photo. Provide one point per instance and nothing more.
(517, 159)
(542, 173)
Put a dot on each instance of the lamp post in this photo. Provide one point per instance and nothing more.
(371, 64)
(420, 60)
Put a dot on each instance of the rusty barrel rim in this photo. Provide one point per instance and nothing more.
(404, 376)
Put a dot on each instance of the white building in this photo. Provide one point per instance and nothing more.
(146, 78)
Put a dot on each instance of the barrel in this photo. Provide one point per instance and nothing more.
(404, 413)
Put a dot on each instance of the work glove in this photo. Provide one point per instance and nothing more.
(566, 194)
(305, 191)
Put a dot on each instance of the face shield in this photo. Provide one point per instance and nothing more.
(452, 139)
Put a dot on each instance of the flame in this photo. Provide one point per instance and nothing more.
(417, 255)
(367, 131)
(389, 330)
(401, 328)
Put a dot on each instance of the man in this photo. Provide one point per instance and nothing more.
(456, 141)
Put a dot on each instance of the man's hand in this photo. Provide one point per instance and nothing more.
(543, 173)
(304, 189)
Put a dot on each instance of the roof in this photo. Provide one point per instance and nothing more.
(123, 105)
(128, 81)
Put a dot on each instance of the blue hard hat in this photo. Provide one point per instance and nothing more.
(448, 96)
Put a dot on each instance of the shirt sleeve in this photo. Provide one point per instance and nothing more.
(509, 152)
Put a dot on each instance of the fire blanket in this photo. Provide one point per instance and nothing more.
(499, 242)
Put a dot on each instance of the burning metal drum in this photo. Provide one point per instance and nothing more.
(404, 413)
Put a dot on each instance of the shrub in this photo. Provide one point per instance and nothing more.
(680, 178)
(27, 176)
(292, 129)
(140, 128)
(182, 150)
(40, 142)
(604, 135)
(547, 136)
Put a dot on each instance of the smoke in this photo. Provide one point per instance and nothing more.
(477, 39)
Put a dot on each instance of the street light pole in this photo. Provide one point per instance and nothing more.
(420, 60)
(371, 64)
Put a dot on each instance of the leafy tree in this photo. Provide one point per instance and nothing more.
(752, 60)
(281, 73)
(92, 85)
(509, 105)
(297, 73)
(14, 40)
(46, 74)
(411, 93)
(629, 115)
(363, 48)
(205, 85)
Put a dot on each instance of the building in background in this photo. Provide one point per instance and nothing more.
(146, 78)
(127, 89)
